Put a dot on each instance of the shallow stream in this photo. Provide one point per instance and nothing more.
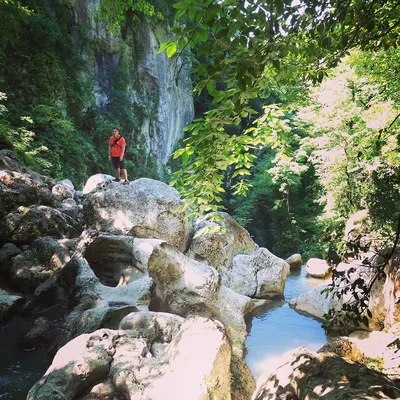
(274, 330)
(277, 328)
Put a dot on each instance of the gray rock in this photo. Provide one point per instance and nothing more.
(7, 253)
(259, 274)
(28, 224)
(9, 304)
(96, 182)
(62, 191)
(145, 209)
(185, 286)
(308, 375)
(69, 207)
(295, 261)
(218, 241)
(313, 302)
(111, 361)
(34, 266)
(36, 334)
(317, 268)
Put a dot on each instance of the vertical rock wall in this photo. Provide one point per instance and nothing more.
(153, 92)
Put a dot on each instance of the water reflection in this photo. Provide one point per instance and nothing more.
(277, 328)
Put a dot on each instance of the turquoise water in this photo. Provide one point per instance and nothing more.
(277, 328)
(274, 330)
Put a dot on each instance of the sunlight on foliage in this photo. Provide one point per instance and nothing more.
(22, 140)
(114, 12)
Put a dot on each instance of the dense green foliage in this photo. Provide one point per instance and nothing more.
(47, 82)
(305, 164)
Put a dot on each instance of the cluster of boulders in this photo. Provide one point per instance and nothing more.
(156, 303)
(360, 270)
(113, 252)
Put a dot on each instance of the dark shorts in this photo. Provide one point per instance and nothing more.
(117, 163)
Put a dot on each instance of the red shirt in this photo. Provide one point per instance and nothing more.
(116, 150)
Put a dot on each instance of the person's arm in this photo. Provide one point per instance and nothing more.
(109, 150)
(122, 151)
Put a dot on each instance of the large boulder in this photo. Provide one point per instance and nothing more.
(259, 274)
(145, 209)
(34, 266)
(218, 239)
(20, 186)
(308, 375)
(313, 302)
(185, 286)
(93, 304)
(63, 190)
(194, 363)
(29, 223)
(7, 253)
(356, 271)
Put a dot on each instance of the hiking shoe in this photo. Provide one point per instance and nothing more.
(116, 179)
(125, 182)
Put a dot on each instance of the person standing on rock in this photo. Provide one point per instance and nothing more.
(116, 152)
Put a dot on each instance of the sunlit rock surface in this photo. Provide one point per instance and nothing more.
(380, 349)
(63, 190)
(295, 261)
(307, 375)
(34, 266)
(145, 209)
(260, 274)
(317, 268)
(218, 239)
(95, 182)
(313, 302)
(185, 286)
(194, 364)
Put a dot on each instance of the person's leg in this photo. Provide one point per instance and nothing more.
(115, 161)
(122, 166)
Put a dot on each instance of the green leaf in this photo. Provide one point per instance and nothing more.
(171, 49)
(163, 46)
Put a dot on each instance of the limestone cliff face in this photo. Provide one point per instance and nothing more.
(153, 93)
